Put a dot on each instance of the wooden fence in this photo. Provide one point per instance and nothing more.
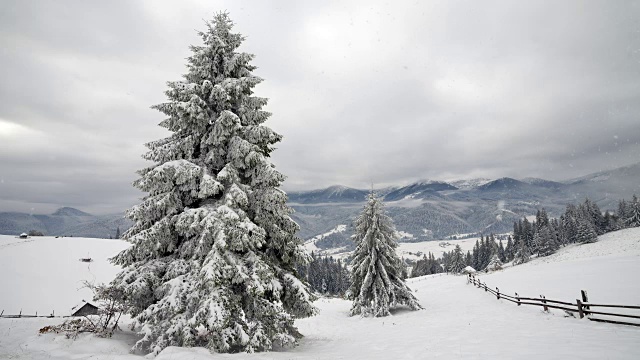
(582, 306)
(20, 315)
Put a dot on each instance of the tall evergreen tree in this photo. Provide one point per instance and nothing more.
(476, 255)
(523, 253)
(501, 252)
(214, 254)
(468, 261)
(377, 282)
(622, 214)
(456, 264)
(509, 250)
(633, 213)
(494, 263)
(545, 241)
(585, 231)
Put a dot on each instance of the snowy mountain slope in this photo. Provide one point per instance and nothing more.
(603, 268)
(332, 194)
(470, 183)
(44, 273)
(459, 321)
(65, 221)
(420, 190)
(477, 205)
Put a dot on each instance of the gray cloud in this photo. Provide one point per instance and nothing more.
(364, 92)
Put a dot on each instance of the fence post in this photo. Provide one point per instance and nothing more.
(20, 313)
(585, 299)
(518, 297)
(1, 313)
(498, 293)
(544, 301)
(485, 286)
(579, 304)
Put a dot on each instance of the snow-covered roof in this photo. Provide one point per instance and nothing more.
(79, 306)
(24, 235)
(469, 269)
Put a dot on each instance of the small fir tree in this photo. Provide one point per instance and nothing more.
(457, 260)
(633, 213)
(585, 232)
(523, 253)
(495, 263)
(545, 241)
(214, 254)
(377, 283)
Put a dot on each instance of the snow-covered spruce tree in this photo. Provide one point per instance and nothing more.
(214, 251)
(495, 263)
(523, 253)
(545, 241)
(633, 213)
(376, 271)
(457, 261)
(585, 231)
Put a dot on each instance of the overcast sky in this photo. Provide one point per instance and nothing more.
(363, 91)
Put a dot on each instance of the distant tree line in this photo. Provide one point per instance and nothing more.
(581, 223)
(326, 275)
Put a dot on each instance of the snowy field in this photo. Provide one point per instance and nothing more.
(43, 274)
(413, 251)
(459, 321)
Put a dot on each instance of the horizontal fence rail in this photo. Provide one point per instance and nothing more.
(23, 316)
(582, 306)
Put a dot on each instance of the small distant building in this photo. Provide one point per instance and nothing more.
(84, 309)
(23, 236)
(468, 270)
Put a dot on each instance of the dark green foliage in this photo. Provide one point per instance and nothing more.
(456, 261)
(326, 275)
(426, 266)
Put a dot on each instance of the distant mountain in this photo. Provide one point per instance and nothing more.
(469, 184)
(606, 187)
(68, 211)
(543, 183)
(65, 221)
(419, 190)
(438, 209)
(332, 194)
(421, 211)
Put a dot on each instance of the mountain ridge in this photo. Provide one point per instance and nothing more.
(426, 209)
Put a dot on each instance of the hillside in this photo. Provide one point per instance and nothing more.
(65, 221)
(458, 320)
(431, 209)
(44, 274)
(425, 210)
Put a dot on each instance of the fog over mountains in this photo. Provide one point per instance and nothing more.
(422, 211)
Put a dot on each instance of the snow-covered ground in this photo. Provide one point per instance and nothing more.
(413, 251)
(459, 321)
(608, 270)
(45, 274)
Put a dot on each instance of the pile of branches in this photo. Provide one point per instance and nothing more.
(104, 324)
